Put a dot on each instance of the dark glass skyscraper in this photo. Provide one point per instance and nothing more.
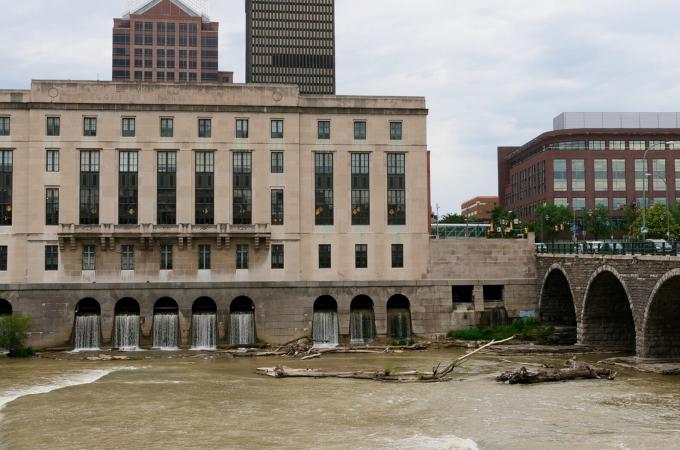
(291, 42)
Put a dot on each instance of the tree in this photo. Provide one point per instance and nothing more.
(598, 223)
(659, 221)
(453, 218)
(13, 333)
(551, 220)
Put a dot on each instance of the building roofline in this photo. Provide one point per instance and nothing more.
(179, 3)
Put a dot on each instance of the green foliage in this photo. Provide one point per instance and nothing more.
(597, 222)
(402, 342)
(453, 219)
(13, 334)
(389, 370)
(524, 329)
(551, 220)
(659, 219)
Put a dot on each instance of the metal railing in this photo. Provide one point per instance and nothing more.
(610, 248)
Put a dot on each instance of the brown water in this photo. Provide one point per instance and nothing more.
(194, 402)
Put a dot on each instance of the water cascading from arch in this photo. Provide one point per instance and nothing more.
(204, 324)
(325, 329)
(242, 322)
(87, 332)
(165, 324)
(126, 325)
(362, 320)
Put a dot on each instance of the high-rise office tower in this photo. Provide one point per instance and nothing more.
(166, 40)
(291, 42)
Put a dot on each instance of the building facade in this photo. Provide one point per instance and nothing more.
(591, 160)
(291, 42)
(479, 208)
(166, 41)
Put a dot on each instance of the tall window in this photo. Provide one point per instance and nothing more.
(324, 256)
(578, 175)
(277, 162)
(51, 257)
(3, 258)
(323, 180)
(167, 127)
(167, 188)
(601, 175)
(205, 187)
(277, 256)
(89, 254)
(560, 175)
(578, 203)
(243, 195)
(128, 127)
(242, 128)
(659, 174)
(166, 257)
(396, 189)
(6, 167)
(397, 256)
(324, 129)
(52, 206)
(361, 256)
(361, 214)
(52, 160)
(618, 174)
(359, 130)
(640, 174)
(127, 257)
(204, 128)
(53, 126)
(128, 187)
(89, 126)
(4, 126)
(277, 129)
(203, 257)
(395, 131)
(241, 257)
(89, 187)
(677, 174)
(277, 207)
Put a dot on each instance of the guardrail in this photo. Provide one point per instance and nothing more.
(609, 248)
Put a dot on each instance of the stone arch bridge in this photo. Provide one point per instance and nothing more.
(624, 303)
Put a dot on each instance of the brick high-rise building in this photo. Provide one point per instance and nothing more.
(166, 40)
(291, 42)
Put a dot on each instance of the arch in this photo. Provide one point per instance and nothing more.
(127, 307)
(88, 306)
(165, 305)
(204, 305)
(399, 317)
(556, 304)
(126, 324)
(607, 319)
(5, 308)
(362, 320)
(204, 324)
(242, 321)
(325, 328)
(242, 304)
(87, 326)
(361, 302)
(165, 324)
(325, 303)
(661, 327)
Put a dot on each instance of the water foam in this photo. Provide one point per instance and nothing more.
(449, 442)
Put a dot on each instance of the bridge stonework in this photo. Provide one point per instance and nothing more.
(629, 303)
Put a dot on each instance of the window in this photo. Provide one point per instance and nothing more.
(493, 293)
(205, 188)
(360, 189)
(277, 207)
(88, 257)
(617, 145)
(395, 131)
(52, 163)
(578, 175)
(89, 187)
(619, 174)
(51, 257)
(128, 127)
(360, 130)
(53, 126)
(323, 180)
(277, 256)
(396, 189)
(4, 126)
(89, 126)
(560, 201)
(277, 162)
(166, 257)
(601, 175)
(204, 128)
(397, 256)
(462, 294)
(659, 174)
(3, 258)
(640, 175)
(242, 128)
(657, 145)
(636, 145)
(242, 257)
(52, 206)
(203, 257)
(596, 145)
(619, 203)
(560, 175)
(243, 195)
(167, 127)
(579, 204)
(361, 256)
(277, 129)
(324, 256)
(127, 257)
(166, 203)
(128, 187)
(677, 174)
(602, 201)
(324, 129)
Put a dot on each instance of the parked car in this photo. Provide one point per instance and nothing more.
(541, 248)
(659, 245)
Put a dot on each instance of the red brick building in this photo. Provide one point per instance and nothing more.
(479, 208)
(166, 40)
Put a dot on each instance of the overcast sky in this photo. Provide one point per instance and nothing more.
(495, 72)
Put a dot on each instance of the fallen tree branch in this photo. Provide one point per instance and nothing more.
(574, 371)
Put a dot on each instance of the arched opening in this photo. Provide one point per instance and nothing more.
(662, 326)
(607, 320)
(165, 324)
(399, 317)
(325, 322)
(362, 320)
(204, 324)
(87, 333)
(557, 307)
(5, 308)
(242, 322)
(126, 325)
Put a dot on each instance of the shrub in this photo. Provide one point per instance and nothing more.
(13, 334)
(524, 329)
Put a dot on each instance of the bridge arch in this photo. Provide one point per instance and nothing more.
(661, 326)
(607, 318)
(5, 308)
(556, 304)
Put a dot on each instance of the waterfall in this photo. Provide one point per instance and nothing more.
(242, 328)
(165, 331)
(400, 323)
(126, 337)
(361, 326)
(203, 331)
(325, 328)
(87, 333)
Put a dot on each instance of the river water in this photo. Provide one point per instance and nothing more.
(198, 401)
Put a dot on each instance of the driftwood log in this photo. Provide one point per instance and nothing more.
(573, 371)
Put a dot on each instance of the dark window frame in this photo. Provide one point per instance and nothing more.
(128, 127)
(360, 130)
(277, 206)
(166, 256)
(89, 257)
(361, 256)
(325, 256)
(396, 131)
(204, 257)
(396, 189)
(242, 128)
(89, 187)
(323, 129)
(53, 126)
(397, 256)
(51, 258)
(5, 125)
(127, 257)
(3, 258)
(360, 189)
(166, 188)
(51, 206)
(167, 125)
(278, 256)
(128, 187)
(205, 188)
(277, 128)
(242, 194)
(90, 126)
(323, 187)
(277, 162)
(242, 252)
(52, 163)
(205, 128)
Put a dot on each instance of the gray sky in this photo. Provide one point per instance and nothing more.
(495, 72)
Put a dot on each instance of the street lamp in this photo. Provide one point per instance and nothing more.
(644, 229)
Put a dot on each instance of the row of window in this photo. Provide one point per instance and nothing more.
(644, 178)
(616, 203)
(128, 128)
